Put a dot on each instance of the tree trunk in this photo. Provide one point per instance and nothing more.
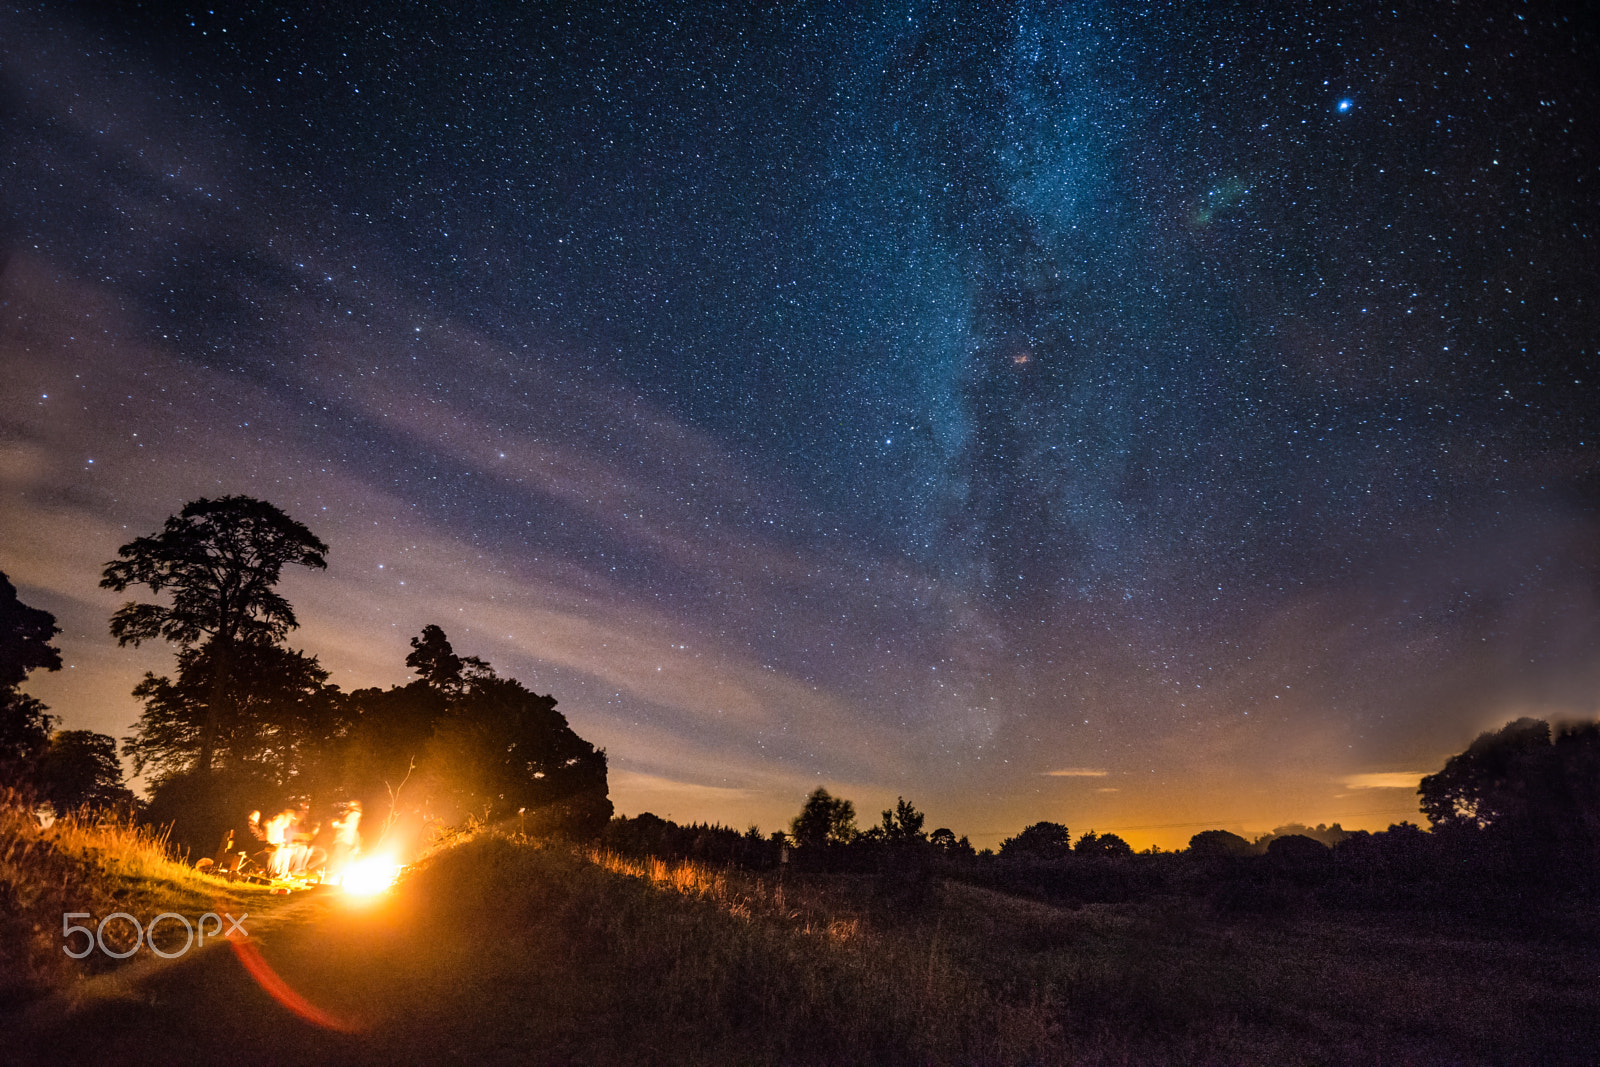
(221, 689)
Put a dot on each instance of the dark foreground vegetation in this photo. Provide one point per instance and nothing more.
(498, 950)
(1514, 845)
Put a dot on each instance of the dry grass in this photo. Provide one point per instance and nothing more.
(978, 976)
(97, 864)
(500, 950)
(677, 962)
(807, 907)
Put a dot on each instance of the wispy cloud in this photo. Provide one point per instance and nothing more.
(1385, 780)
(1077, 772)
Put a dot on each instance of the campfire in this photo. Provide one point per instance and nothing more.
(298, 854)
(370, 875)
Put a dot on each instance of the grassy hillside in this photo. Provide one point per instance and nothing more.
(501, 951)
(98, 865)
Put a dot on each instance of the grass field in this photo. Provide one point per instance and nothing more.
(497, 950)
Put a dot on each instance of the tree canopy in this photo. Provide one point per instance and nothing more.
(80, 769)
(456, 743)
(436, 661)
(487, 745)
(1093, 844)
(1487, 786)
(501, 749)
(903, 823)
(824, 820)
(25, 634)
(1219, 843)
(1042, 839)
(280, 713)
(219, 560)
(1531, 798)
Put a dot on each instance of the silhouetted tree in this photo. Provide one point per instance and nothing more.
(25, 635)
(1093, 844)
(647, 834)
(944, 839)
(1328, 835)
(388, 732)
(1525, 801)
(903, 824)
(502, 748)
(1488, 785)
(1219, 843)
(282, 715)
(219, 559)
(1297, 849)
(80, 769)
(390, 729)
(1044, 840)
(483, 746)
(25, 646)
(436, 661)
(824, 820)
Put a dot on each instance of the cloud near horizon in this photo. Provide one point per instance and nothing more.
(1386, 780)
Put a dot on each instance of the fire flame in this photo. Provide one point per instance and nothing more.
(371, 875)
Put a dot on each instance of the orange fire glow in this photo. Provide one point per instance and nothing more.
(370, 875)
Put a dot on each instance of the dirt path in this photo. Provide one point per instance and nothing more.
(313, 955)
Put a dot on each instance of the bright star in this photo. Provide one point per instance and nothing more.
(1346, 105)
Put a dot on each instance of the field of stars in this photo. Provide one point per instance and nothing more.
(1148, 417)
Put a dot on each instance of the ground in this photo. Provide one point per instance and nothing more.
(500, 951)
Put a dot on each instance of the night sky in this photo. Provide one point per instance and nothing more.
(1149, 417)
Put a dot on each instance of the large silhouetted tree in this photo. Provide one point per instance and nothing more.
(824, 820)
(25, 646)
(1487, 786)
(1219, 844)
(219, 560)
(1521, 795)
(482, 746)
(1093, 844)
(282, 714)
(25, 635)
(502, 748)
(436, 661)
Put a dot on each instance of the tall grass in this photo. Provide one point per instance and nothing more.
(807, 906)
(498, 950)
(90, 862)
(677, 962)
(657, 961)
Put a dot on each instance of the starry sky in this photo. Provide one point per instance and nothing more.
(1149, 417)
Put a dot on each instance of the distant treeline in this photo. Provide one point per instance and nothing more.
(1515, 839)
(1403, 868)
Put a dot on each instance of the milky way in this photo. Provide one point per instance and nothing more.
(1193, 401)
